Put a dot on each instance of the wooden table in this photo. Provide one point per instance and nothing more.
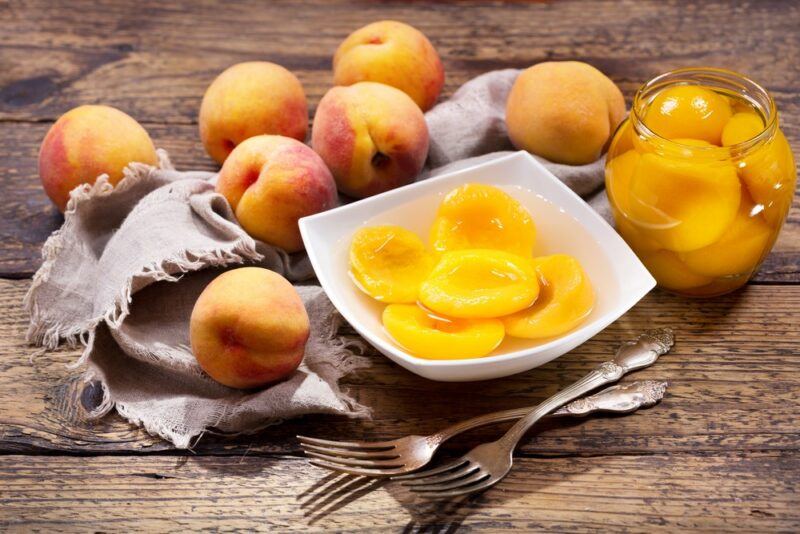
(719, 453)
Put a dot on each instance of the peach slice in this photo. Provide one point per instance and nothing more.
(619, 173)
(670, 272)
(689, 111)
(769, 175)
(683, 204)
(439, 338)
(480, 283)
(482, 216)
(739, 249)
(566, 298)
(389, 263)
(741, 127)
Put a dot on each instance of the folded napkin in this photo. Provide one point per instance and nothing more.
(123, 272)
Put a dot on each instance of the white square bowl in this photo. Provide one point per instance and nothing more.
(564, 224)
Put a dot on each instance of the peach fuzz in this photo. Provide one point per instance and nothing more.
(391, 53)
(86, 142)
(272, 181)
(372, 137)
(564, 111)
(249, 99)
(249, 328)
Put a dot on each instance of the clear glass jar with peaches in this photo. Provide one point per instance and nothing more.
(700, 179)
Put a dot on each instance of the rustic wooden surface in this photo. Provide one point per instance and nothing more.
(719, 453)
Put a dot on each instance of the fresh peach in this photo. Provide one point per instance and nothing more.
(372, 137)
(272, 181)
(249, 99)
(565, 111)
(249, 328)
(86, 142)
(392, 53)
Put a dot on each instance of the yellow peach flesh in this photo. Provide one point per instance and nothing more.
(427, 336)
(389, 263)
(482, 216)
(480, 283)
(565, 299)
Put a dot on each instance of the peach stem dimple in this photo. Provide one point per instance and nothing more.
(380, 160)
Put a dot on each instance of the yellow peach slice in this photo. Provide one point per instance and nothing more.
(637, 239)
(741, 127)
(566, 298)
(480, 283)
(670, 272)
(769, 175)
(622, 140)
(739, 249)
(389, 263)
(482, 216)
(688, 111)
(683, 204)
(619, 173)
(439, 338)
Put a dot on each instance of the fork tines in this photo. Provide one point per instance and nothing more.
(353, 457)
(450, 480)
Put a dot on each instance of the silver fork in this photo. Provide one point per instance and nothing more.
(407, 454)
(487, 464)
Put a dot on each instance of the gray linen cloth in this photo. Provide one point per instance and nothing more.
(122, 275)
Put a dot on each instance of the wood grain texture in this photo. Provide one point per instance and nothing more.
(720, 453)
(654, 493)
(155, 61)
(733, 387)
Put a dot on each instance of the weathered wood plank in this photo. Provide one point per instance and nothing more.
(752, 492)
(733, 386)
(27, 216)
(155, 60)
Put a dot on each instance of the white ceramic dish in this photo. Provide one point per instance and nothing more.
(564, 224)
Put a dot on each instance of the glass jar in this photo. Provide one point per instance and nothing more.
(700, 179)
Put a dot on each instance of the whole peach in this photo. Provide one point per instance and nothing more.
(272, 181)
(249, 328)
(249, 99)
(372, 137)
(564, 111)
(392, 53)
(86, 142)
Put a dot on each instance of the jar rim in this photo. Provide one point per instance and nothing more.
(721, 78)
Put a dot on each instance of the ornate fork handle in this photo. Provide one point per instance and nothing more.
(658, 341)
(631, 356)
(621, 399)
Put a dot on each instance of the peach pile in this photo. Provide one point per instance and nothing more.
(477, 283)
(249, 328)
(701, 216)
